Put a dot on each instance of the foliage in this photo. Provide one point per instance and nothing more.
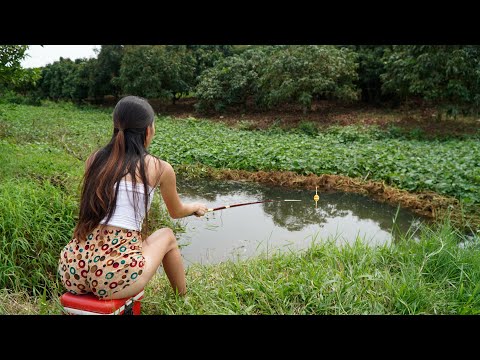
(58, 78)
(157, 71)
(301, 73)
(307, 127)
(448, 75)
(106, 72)
(12, 75)
(207, 55)
(370, 68)
(230, 82)
(273, 75)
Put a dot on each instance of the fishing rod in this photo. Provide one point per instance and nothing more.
(243, 204)
(249, 203)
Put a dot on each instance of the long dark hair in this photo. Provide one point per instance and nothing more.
(124, 154)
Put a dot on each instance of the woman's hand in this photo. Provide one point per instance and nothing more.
(201, 209)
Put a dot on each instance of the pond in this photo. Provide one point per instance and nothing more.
(246, 231)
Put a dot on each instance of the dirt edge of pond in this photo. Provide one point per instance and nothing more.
(426, 203)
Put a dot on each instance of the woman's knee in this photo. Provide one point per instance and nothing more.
(167, 235)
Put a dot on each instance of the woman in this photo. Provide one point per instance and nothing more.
(108, 255)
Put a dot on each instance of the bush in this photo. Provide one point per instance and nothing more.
(11, 97)
(308, 128)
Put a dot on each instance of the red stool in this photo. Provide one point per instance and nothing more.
(89, 304)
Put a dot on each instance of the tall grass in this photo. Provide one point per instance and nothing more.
(36, 220)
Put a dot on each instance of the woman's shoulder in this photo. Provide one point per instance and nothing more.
(157, 167)
(153, 161)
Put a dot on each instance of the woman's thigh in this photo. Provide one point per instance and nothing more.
(154, 248)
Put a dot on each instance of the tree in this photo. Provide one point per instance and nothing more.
(157, 71)
(83, 79)
(11, 72)
(299, 73)
(179, 77)
(58, 79)
(207, 55)
(231, 81)
(445, 75)
(141, 71)
(107, 71)
(370, 68)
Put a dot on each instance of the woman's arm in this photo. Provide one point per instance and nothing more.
(168, 187)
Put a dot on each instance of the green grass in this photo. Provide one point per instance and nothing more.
(21, 303)
(42, 153)
(36, 221)
(431, 275)
(38, 162)
(77, 131)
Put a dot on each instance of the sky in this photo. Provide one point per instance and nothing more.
(41, 56)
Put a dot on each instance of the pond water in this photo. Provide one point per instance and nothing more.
(246, 231)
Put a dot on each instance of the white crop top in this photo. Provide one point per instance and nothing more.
(124, 213)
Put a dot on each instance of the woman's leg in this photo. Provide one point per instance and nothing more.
(161, 246)
(163, 242)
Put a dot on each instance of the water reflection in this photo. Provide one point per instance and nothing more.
(247, 230)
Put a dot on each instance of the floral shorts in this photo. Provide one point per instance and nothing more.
(107, 262)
